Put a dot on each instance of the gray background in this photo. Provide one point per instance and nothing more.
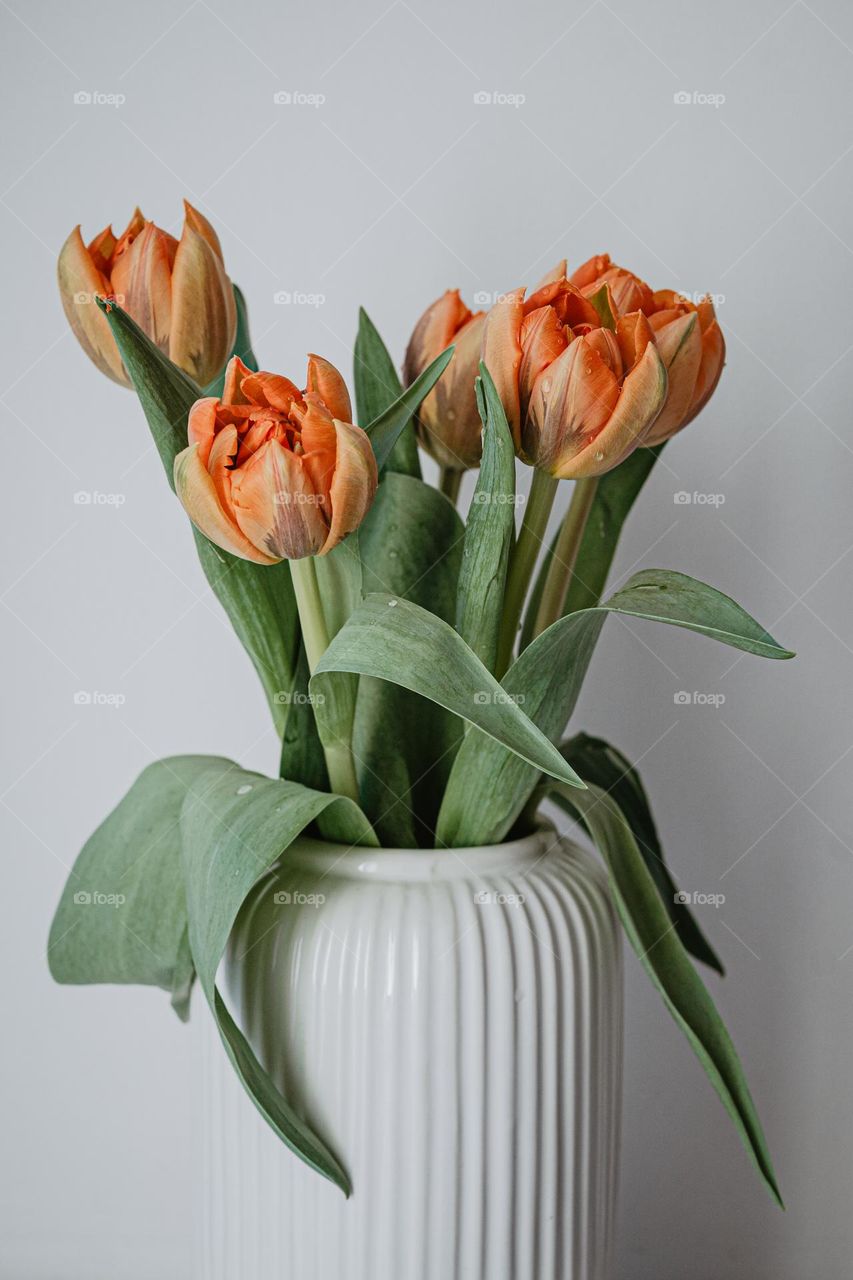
(397, 186)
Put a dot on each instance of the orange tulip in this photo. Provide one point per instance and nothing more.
(272, 473)
(687, 335)
(448, 422)
(579, 398)
(176, 291)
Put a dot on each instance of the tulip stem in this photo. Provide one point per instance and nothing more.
(449, 482)
(543, 487)
(315, 637)
(565, 555)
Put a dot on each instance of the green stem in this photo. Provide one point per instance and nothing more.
(539, 502)
(449, 482)
(315, 636)
(565, 554)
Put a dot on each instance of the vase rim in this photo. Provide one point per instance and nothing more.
(423, 864)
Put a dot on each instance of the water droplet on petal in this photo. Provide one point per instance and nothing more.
(391, 604)
(245, 789)
(599, 457)
(546, 386)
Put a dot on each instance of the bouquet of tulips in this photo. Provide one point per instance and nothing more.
(421, 664)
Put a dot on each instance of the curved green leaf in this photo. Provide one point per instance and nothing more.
(489, 533)
(234, 826)
(385, 431)
(488, 787)
(377, 386)
(396, 640)
(655, 940)
(601, 764)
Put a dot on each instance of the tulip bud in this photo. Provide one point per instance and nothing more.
(686, 334)
(176, 291)
(448, 421)
(271, 473)
(579, 398)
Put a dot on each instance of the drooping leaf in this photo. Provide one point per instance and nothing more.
(488, 787)
(302, 758)
(395, 640)
(377, 386)
(489, 533)
(123, 915)
(601, 764)
(234, 826)
(385, 430)
(411, 545)
(654, 938)
(258, 599)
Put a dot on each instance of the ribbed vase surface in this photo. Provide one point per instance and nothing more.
(450, 1023)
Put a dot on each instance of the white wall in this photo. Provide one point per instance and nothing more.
(397, 187)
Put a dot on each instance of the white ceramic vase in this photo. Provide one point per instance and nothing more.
(451, 1024)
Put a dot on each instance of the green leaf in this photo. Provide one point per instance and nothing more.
(489, 534)
(395, 640)
(488, 787)
(601, 764)
(242, 344)
(257, 598)
(123, 916)
(377, 386)
(385, 430)
(302, 758)
(411, 545)
(655, 939)
(234, 826)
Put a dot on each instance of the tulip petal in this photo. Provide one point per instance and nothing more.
(556, 273)
(320, 448)
(200, 224)
(572, 401)
(235, 372)
(448, 420)
(543, 339)
(141, 280)
(199, 498)
(502, 354)
(276, 505)
(271, 390)
(713, 360)
(325, 382)
(641, 399)
(204, 314)
(591, 271)
(434, 332)
(79, 281)
(353, 483)
(634, 333)
(680, 347)
(201, 426)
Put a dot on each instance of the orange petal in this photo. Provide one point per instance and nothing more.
(236, 371)
(79, 282)
(543, 338)
(571, 403)
(680, 347)
(353, 484)
(502, 354)
(556, 273)
(320, 448)
(199, 498)
(434, 331)
(204, 315)
(448, 421)
(272, 390)
(571, 306)
(101, 250)
(201, 426)
(591, 271)
(200, 224)
(141, 281)
(627, 291)
(276, 505)
(713, 360)
(606, 344)
(325, 381)
(641, 399)
(633, 333)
